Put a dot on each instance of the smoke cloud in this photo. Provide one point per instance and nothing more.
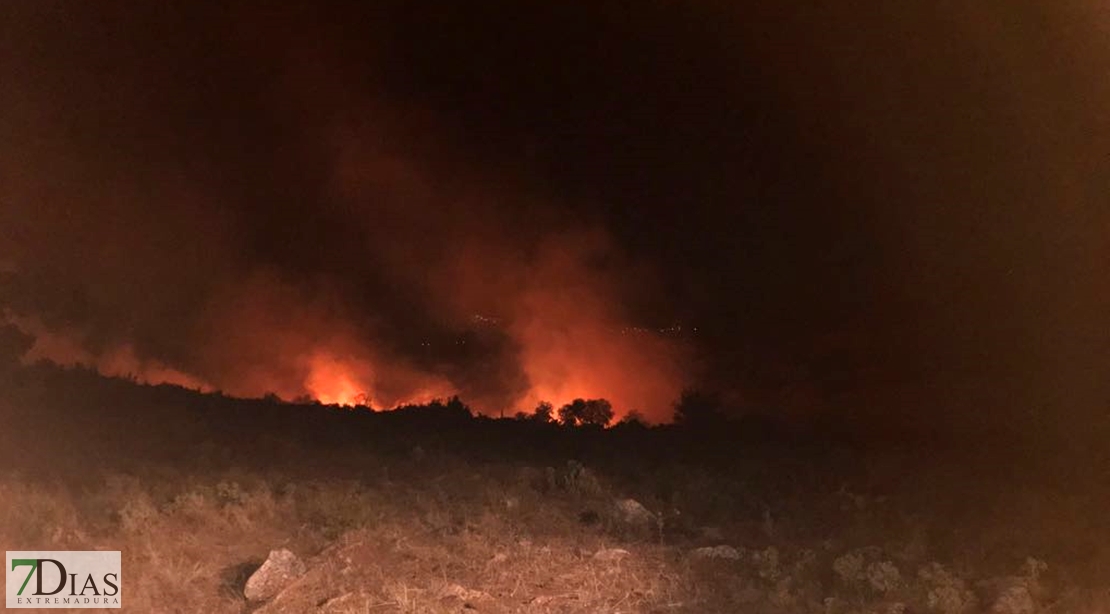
(886, 216)
(215, 215)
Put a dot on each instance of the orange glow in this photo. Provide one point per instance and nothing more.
(569, 347)
(67, 348)
(568, 325)
(122, 362)
(331, 380)
(556, 310)
(587, 363)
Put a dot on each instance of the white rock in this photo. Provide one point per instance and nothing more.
(633, 512)
(276, 573)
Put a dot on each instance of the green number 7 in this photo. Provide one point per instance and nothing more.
(22, 562)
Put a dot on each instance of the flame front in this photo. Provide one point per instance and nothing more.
(331, 380)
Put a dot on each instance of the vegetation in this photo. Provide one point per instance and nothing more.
(697, 409)
(431, 509)
(580, 412)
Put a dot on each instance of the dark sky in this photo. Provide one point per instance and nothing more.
(892, 211)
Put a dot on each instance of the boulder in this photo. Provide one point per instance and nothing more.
(280, 568)
(631, 511)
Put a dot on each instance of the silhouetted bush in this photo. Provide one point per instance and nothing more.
(632, 420)
(451, 410)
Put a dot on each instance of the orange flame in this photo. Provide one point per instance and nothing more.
(331, 380)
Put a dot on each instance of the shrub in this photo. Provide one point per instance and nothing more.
(579, 480)
(633, 420)
(945, 592)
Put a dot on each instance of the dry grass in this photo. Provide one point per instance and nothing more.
(431, 513)
(448, 535)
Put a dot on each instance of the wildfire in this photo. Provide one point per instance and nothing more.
(331, 380)
(267, 336)
(346, 380)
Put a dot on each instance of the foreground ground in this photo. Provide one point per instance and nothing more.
(433, 511)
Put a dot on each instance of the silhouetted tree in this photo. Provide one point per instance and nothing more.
(699, 409)
(456, 406)
(544, 412)
(581, 412)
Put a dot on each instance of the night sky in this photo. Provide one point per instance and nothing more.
(891, 213)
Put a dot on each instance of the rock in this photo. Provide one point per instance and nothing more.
(633, 512)
(716, 552)
(611, 554)
(276, 573)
